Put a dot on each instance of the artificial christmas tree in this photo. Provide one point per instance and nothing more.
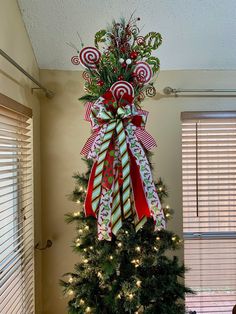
(121, 234)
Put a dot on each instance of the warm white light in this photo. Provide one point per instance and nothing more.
(158, 238)
(81, 302)
(111, 257)
(86, 228)
(138, 283)
(80, 231)
(78, 201)
(173, 238)
(138, 249)
(119, 244)
(167, 215)
(86, 261)
(88, 309)
(85, 250)
(131, 296)
(119, 296)
(160, 188)
(91, 247)
(70, 292)
(70, 280)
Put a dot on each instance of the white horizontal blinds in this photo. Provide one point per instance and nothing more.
(16, 213)
(209, 209)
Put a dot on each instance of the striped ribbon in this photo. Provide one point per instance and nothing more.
(114, 125)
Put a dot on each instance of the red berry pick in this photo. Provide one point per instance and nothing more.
(100, 83)
(133, 55)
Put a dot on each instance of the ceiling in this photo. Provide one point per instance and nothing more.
(197, 34)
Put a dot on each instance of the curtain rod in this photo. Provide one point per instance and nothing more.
(175, 91)
(48, 92)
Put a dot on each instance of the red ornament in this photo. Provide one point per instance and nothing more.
(100, 83)
(122, 49)
(123, 65)
(133, 55)
(120, 77)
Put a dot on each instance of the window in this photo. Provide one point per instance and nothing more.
(209, 209)
(16, 214)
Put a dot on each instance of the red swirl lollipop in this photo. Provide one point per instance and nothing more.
(120, 88)
(140, 40)
(89, 57)
(143, 71)
(75, 60)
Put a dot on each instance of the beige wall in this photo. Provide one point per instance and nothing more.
(15, 42)
(63, 132)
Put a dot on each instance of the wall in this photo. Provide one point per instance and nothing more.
(63, 132)
(15, 42)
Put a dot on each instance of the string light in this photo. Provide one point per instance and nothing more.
(158, 238)
(155, 248)
(80, 231)
(86, 228)
(160, 188)
(81, 302)
(91, 247)
(111, 257)
(167, 206)
(138, 249)
(85, 250)
(138, 283)
(167, 215)
(78, 201)
(70, 292)
(70, 280)
(86, 261)
(130, 296)
(81, 189)
(118, 296)
(76, 214)
(100, 275)
(136, 262)
(126, 232)
(88, 309)
(78, 243)
(173, 238)
(119, 244)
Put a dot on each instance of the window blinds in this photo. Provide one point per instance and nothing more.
(209, 209)
(16, 214)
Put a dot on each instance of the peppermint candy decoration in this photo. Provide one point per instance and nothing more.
(75, 60)
(89, 57)
(120, 88)
(143, 71)
(140, 40)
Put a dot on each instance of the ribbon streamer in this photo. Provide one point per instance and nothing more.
(120, 182)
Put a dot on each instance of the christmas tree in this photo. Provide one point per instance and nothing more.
(131, 273)
(120, 233)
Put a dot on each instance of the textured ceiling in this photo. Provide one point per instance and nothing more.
(197, 34)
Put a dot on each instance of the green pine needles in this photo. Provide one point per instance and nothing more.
(131, 273)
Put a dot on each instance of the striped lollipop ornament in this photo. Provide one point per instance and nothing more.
(120, 88)
(143, 71)
(89, 57)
